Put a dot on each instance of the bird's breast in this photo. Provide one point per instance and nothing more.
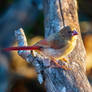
(59, 53)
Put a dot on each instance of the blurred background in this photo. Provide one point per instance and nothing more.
(16, 75)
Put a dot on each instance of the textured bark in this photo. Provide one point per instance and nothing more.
(59, 13)
(58, 80)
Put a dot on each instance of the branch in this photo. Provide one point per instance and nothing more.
(36, 60)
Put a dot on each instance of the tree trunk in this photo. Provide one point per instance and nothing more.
(57, 14)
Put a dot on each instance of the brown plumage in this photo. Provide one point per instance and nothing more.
(56, 46)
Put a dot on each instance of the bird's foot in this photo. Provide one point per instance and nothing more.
(65, 67)
(61, 66)
(63, 59)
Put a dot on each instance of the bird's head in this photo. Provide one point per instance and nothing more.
(69, 33)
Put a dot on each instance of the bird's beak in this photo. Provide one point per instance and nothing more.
(74, 33)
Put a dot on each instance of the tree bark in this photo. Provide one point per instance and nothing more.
(57, 13)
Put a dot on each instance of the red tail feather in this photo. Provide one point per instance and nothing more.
(23, 48)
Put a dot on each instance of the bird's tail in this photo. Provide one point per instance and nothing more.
(23, 48)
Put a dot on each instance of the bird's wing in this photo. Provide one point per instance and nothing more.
(56, 41)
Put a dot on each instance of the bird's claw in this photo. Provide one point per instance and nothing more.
(65, 67)
(63, 59)
(61, 66)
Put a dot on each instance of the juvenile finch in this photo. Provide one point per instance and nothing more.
(56, 46)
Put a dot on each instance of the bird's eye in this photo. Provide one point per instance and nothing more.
(69, 32)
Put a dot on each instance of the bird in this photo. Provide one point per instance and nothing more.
(56, 46)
